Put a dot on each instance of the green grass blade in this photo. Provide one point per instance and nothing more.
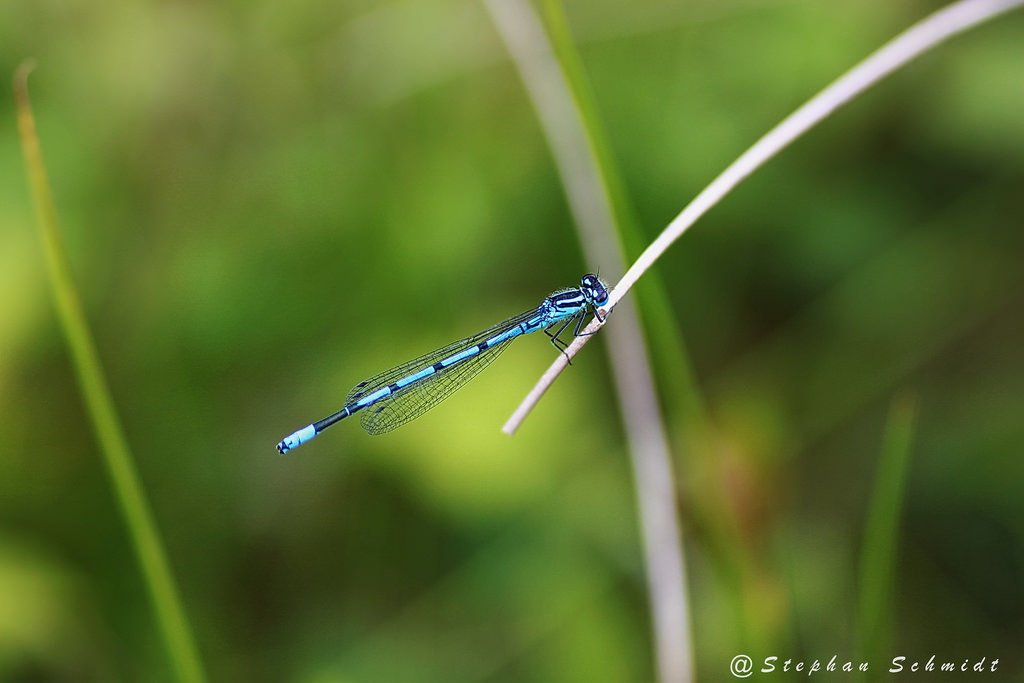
(692, 430)
(881, 533)
(674, 364)
(96, 396)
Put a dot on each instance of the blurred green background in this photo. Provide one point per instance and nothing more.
(267, 202)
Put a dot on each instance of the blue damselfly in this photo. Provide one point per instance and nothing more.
(405, 392)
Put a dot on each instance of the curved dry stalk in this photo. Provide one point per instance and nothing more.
(566, 130)
(913, 42)
(565, 127)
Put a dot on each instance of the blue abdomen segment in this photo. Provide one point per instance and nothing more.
(297, 439)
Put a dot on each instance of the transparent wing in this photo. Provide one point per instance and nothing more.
(411, 401)
(418, 397)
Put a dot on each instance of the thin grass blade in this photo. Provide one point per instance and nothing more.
(85, 361)
(881, 533)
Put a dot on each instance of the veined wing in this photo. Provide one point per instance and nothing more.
(418, 397)
(409, 402)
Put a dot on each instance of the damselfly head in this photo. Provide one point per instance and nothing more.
(594, 290)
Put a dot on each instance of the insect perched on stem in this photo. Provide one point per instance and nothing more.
(405, 392)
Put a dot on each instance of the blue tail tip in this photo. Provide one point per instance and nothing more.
(297, 439)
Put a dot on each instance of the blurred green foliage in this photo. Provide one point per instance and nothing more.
(265, 203)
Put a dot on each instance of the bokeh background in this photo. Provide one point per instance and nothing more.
(267, 202)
